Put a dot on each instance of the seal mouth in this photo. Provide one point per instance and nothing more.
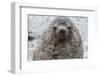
(62, 35)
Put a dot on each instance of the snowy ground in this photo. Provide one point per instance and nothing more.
(38, 24)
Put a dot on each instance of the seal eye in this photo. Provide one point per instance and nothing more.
(69, 28)
(55, 28)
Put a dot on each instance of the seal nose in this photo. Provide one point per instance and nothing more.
(62, 31)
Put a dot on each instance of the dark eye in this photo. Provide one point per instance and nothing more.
(69, 28)
(55, 28)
